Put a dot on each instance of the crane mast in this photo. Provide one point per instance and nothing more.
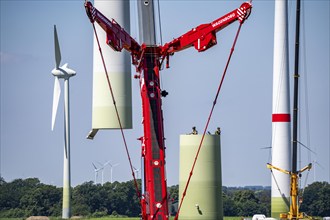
(148, 60)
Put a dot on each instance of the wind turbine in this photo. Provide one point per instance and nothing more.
(65, 73)
(102, 169)
(315, 162)
(96, 170)
(103, 166)
(111, 170)
(136, 172)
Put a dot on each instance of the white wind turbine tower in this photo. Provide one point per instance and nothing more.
(65, 73)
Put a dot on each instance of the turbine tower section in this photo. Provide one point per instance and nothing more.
(281, 135)
(203, 199)
(119, 69)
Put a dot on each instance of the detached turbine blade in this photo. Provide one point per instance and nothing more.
(57, 49)
(56, 99)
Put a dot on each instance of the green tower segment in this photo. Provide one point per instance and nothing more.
(203, 200)
(279, 205)
(104, 112)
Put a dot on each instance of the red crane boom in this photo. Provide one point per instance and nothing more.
(117, 38)
(204, 36)
(148, 59)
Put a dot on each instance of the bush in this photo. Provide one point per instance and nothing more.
(99, 214)
(13, 213)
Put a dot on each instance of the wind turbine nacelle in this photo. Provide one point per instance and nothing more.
(119, 69)
(63, 72)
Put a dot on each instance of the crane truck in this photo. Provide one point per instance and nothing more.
(148, 60)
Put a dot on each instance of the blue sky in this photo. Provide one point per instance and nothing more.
(30, 149)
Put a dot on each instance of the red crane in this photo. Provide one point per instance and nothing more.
(148, 60)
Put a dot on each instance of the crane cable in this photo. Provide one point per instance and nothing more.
(277, 185)
(160, 24)
(306, 97)
(208, 121)
(117, 113)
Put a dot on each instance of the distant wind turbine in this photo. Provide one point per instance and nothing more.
(65, 73)
(103, 166)
(136, 172)
(111, 170)
(96, 170)
(102, 169)
(315, 162)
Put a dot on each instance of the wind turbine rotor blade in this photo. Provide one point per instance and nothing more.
(95, 168)
(56, 99)
(107, 163)
(69, 71)
(57, 49)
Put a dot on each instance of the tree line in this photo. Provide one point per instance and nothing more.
(30, 197)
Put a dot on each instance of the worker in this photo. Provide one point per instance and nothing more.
(194, 131)
(218, 131)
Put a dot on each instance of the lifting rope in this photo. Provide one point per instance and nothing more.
(117, 113)
(208, 120)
